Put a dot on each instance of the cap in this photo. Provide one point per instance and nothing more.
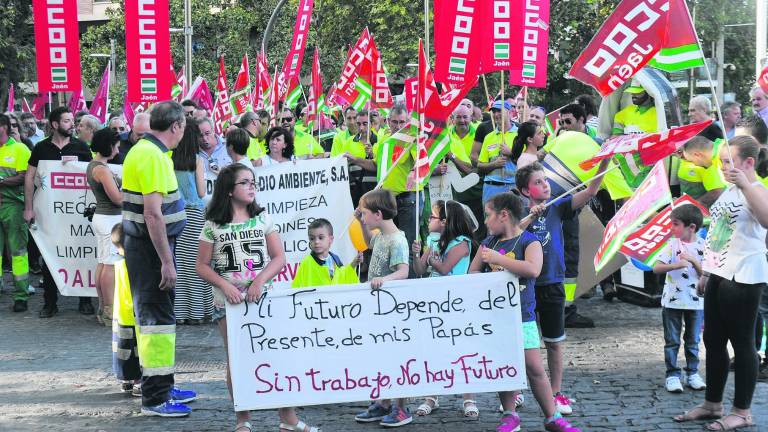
(497, 105)
(634, 87)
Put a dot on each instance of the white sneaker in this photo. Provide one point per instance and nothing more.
(563, 404)
(674, 385)
(696, 382)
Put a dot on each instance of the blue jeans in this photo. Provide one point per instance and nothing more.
(491, 190)
(673, 325)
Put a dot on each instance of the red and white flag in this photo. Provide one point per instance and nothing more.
(100, 105)
(645, 244)
(627, 41)
(530, 51)
(652, 194)
(650, 147)
(128, 112)
(57, 45)
(410, 88)
(459, 26)
(77, 102)
(762, 80)
(241, 90)
(381, 96)
(11, 98)
(200, 93)
(292, 62)
(39, 103)
(316, 90)
(148, 51)
(259, 95)
(25, 106)
(222, 110)
(350, 89)
(181, 80)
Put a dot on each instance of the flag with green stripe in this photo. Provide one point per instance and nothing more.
(681, 48)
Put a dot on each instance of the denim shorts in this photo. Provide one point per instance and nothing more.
(218, 314)
(531, 335)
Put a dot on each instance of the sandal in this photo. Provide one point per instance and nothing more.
(246, 425)
(470, 409)
(425, 409)
(708, 414)
(720, 425)
(299, 427)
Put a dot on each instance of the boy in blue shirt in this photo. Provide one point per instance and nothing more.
(546, 223)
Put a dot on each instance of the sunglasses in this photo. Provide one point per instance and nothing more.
(15, 125)
(566, 121)
(285, 119)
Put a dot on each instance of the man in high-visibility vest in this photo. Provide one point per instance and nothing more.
(153, 217)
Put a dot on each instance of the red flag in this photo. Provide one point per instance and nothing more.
(411, 86)
(274, 96)
(222, 111)
(645, 244)
(317, 87)
(347, 89)
(147, 51)
(531, 50)
(628, 39)
(292, 62)
(77, 102)
(381, 96)
(128, 112)
(11, 98)
(181, 80)
(57, 45)
(263, 81)
(652, 194)
(241, 90)
(458, 39)
(200, 94)
(25, 106)
(39, 103)
(100, 104)
(650, 147)
(499, 26)
(762, 81)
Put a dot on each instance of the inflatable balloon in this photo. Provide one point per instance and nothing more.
(356, 235)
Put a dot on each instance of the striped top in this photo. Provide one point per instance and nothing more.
(148, 169)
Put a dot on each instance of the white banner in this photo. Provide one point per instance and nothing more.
(295, 194)
(65, 238)
(432, 336)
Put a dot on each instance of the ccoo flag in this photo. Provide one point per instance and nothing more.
(458, 37)
(241, 91)
(681, 46)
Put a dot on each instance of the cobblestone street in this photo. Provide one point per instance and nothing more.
(55, 374)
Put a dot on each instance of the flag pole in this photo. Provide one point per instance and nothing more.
(525, 106)
(503, 124)
(488, 97)
(711, 86)
(572, 190)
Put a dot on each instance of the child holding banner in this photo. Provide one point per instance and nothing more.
(448, 255)
(389, 262)
(546, 223)
(508, 247)
(241, 267)
(682, 303)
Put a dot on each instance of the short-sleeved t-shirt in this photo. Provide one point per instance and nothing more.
(696, 181)
(148, 169)
(14, 157)
(680, 285)
(46, 150)
(305, 144)
(462, 265)
(491, 149)
(239, 251)
(548, 228)
(461, 147)
(256, 147)
(483, 129)
(388, 251)
(515, 248)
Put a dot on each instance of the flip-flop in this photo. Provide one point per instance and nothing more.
(719, 425)
(709, 414)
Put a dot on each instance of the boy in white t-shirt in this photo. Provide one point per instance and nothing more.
(681, 302)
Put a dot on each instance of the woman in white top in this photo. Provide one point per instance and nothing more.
(735, 272)
(279, 147)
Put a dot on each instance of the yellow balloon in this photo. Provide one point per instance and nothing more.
(356, 235)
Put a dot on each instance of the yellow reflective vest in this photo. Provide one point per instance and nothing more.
(311, 273)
